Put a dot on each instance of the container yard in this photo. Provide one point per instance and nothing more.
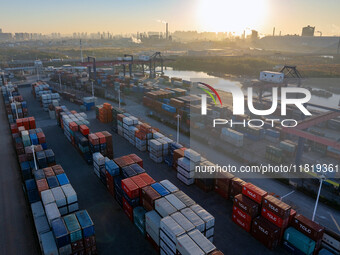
(187, 128)
(145, 180)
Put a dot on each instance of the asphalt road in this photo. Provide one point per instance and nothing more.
(115, 234)
(17, 232)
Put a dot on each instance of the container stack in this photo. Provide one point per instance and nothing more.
(186, 166)
(169, 159)
(155, 150)
(274, 154)
(48, 191)
(89, 103)
(247, 205)
(231, 136)
(223, 183)
(105, 113)
(288, 148)
(99, 165)
(270, 226)
(50, 99)
(304, 236)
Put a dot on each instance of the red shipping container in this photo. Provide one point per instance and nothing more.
(128, 161)
(14, 128)
(131, 189)
(136, 159)
(73, 126)
(58, 169)
(101, 137)
(242, 223)
(308, 227)
(240, 213)
(48, 171)
(138, 181)
(266, 232)
(84, 129)
(42, 185)
(292, 215)
(254, 192)
(26, 123)
(281, 223)
(236, 186)
(31, 121)
(19, 123)
(147, 178)
(93, 139)
(247, 205)
(276, 206)
(41, 138)
(128, 209)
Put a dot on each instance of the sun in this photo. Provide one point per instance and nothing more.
(231, 15)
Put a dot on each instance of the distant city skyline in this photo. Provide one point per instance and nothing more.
(132, 16)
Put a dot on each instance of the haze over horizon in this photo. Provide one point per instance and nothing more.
(131, 16)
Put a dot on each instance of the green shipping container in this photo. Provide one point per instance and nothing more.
(299, 240)
(73, 227)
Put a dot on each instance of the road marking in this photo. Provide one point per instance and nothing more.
(287, 194)
(336, 224)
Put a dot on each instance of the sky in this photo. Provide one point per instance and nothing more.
(131, 16)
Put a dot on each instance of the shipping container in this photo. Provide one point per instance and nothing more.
(276, 206)
(309, 228)
(254, 192)
(266, 232)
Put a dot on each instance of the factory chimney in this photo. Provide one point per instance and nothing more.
(81, 52)
(274, 31)
(167, 31)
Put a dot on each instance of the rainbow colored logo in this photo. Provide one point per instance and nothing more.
(209, 93)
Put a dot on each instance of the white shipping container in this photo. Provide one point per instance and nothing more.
(202, 241)
(171, 228)
(47, 197)
(204, 215)
(153, 219)
(52, 212)
(165, 249)
(274, 77)
(37, 209)
(59, 196)
(186, 246)
(163, 207)
(192, 155)
(175, 202)
(70, 194)
(194, 219)
(186, 164)
(170, 244)
(186, 181)
(183, 221)
(169, 186)
(48, 244)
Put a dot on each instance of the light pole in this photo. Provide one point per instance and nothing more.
(322, 178)
(178, 117)
(35, 161)
(59, 81)
(119, 97)
(15, 105)
(38, 73)
(92, 89)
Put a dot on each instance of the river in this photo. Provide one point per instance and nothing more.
(220, 83)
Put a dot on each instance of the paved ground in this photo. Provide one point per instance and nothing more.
(114, 232)
(17, 233)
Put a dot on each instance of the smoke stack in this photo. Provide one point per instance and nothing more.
(167, 31)
(274, 31)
